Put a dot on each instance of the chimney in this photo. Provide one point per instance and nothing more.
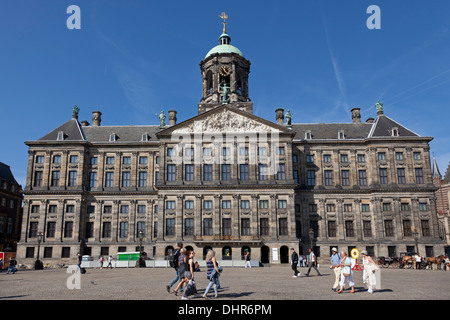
(370, 120)
(280, 116)
(356, 115)
(96, 118)
(84, 123)
(172, 117)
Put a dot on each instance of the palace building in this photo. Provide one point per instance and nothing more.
(229, 180)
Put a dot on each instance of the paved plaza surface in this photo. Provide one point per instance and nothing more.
(265, 283)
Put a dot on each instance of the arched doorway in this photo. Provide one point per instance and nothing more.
(205, 251)
(265, 254)
(226, 253)
(189, 248)
(284, 254)
(168, 252)
(244, 250)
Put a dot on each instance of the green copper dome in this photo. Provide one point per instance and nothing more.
(224, 47)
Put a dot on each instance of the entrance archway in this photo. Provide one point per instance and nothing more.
(265, 254)
(284, 254)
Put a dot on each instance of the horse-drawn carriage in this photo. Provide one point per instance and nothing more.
(386, 262)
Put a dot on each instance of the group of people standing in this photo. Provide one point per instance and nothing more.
(185, 267)
(341, 264)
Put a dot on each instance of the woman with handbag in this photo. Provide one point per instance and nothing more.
(346, 273)
(370, 267)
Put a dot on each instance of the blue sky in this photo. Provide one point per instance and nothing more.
(132, 59)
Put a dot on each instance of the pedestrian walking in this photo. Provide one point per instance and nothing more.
(212, 273)
(294, 262)
(182, 263)
(175, 266)
(301, 261)
(312, 263)
(247, 259)
(79, 260)
(370, 267)
(190, 287)
(101, 262)
(346, 273)
(109, 265)
(335, 261)
(12, 266)
(1, 265)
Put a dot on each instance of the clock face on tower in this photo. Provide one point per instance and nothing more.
(224, 71)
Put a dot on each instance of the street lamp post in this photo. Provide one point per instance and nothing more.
(140, 263)
(38, 264)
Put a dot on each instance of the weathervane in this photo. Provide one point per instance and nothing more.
(224, 17)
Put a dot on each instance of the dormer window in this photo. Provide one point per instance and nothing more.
(395, 132)
(60, 136)
(308, 135)
(144, 137)
(112, 137)
(341, 135)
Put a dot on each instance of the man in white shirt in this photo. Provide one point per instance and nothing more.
(312, 263)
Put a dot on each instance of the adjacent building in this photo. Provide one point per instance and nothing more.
(442, 203)
(229, 180)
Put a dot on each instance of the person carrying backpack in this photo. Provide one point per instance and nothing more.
(173, 262)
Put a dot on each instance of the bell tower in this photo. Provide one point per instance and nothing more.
(225, 73)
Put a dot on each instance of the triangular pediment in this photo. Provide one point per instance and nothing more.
(225, 119)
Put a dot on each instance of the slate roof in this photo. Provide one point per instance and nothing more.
(6, 174)
(435, 170)
(123, 133)
(383, 125)
(72, 132)
(447, 174)
(331, 130)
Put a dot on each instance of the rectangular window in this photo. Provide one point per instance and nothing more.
(283, 227)
(170, 152)
(226, 227)
(68, 229)
(189, 171)
(92, 180)
(170, 205)
(57, 159)
(141, 208)
(55, 178)
(33, 230)
(401, 176)
(361, 158)
(331, 207)
(189, 226)
(125, 179)
(142, 179)
(207, 152)
(70, 208)
(245, 227)
(207, 227)
(93, 160)
(107, 209)
(124, 208)
(328, 177)
(282, 204)
(126, 160)
(262, 151)
(171, 172)
(349, 232)
(51, 229)
(331, 228)
(404, 207)
(142, 160)
(106, 232)
(189, 204)
(422, 206)
(386, 206)
(207, 204)
(226, 151)
(156, 178)
(39, 159)
(73, 159)
(388, 228)
(245, 204)
(326, 158)
(295, 175)
(367, 229)
(280, 151)
(264, 204)
(38, 178)
(419, 175)
(109, 179)
(311, 178)
(226, 204)
(226, 172)
(345, 177)
(243, 172)
(365, 207)
(383, 176)
(344, 158)
(264, 226)
(90, 209)
(416, 156)
(110, 160)
(207, 172)
(399, 156)
(362, 177)
(123, 230)
(89, 232)
(348, 207)
(381, 155)
(262, 172)
(309, 158)
(281, 172)
(407, 228)
(425, 224)
(243, 151)
(189, 152)
(140, 226)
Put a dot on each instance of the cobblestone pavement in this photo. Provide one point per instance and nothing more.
(270, 283)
